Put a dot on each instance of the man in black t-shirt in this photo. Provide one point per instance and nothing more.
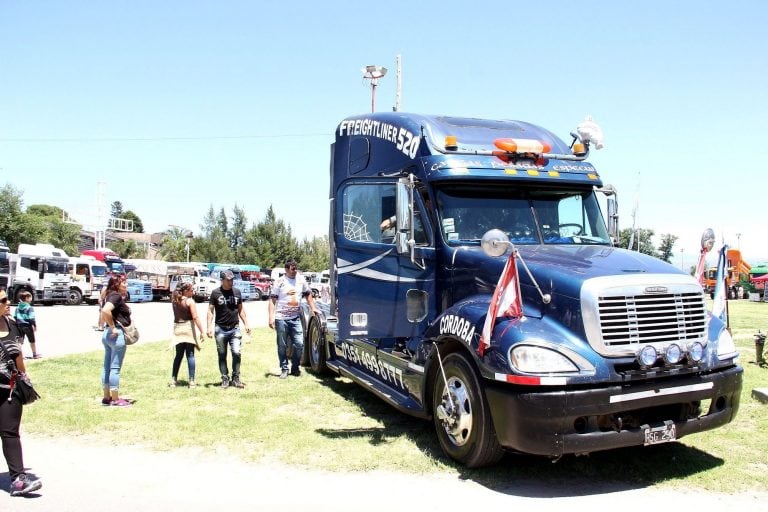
(227, 304)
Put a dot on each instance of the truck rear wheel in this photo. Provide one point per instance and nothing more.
(314, 344)
(74, 298)
(461, 415)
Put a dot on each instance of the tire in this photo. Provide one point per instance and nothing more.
(75, 297)
(314, 346)
(465, 431)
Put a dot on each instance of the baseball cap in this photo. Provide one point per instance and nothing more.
(227, 274)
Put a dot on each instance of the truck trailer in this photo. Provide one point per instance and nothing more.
(608, 348)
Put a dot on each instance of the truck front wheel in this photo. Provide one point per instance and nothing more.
(74, 298)
(461, 415)
(314, 344)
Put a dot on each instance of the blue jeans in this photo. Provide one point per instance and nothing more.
(289, 331)
(114, 353)
(234, 339)
(182, 349)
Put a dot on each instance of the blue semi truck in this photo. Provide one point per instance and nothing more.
(613, 348)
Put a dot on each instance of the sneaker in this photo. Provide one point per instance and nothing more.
(106, 401)
(192, 384)
(284, 374)
(24, 484)
(172, 384)
(236, 383)
(224, 382)
(120, 402)
(296, 372)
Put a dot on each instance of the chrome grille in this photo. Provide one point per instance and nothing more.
(635, 319)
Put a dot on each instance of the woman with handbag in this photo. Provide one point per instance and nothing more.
(116, 314)
(187, 331)
(11, 408)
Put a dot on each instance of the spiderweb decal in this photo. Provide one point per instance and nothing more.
(355, 228)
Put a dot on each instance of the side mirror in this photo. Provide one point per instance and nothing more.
(613, 217)
(495, 242)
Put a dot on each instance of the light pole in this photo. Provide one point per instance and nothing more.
(373, 73)
(187, 234)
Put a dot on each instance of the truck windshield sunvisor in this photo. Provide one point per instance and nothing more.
(552, 216)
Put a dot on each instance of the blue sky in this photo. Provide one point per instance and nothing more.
(179, 106)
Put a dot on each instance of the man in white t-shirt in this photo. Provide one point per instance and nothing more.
(284, 311)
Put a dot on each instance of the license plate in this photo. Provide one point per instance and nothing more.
(662, 434)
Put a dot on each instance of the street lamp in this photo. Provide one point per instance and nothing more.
(373, 73)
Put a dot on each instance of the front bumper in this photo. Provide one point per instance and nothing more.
(586, 420)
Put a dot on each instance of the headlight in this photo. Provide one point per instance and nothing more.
(647, 356)
(529, 359)
(673, 354)
(696, 352)
(726, 348)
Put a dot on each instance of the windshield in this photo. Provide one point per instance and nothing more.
(56, 266)
(527, 216)
(116, 267)
(98, 270)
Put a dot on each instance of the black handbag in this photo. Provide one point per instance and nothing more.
(21, 388)
(11, 378)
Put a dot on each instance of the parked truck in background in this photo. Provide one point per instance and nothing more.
(40, 269)
(163, 275)
(87, 278)
(247, 289)
(110, 258)
(737, 275)
(612, 348)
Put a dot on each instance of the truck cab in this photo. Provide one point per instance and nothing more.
(438, 224)
(88, 277)
(42, 270)
(247, 289)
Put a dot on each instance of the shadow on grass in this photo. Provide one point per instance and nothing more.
(526, 475)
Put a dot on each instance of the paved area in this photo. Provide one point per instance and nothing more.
(85, 475)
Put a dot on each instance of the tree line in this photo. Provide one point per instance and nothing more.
(223, 238)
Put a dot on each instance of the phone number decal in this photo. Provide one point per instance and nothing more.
(388, 372)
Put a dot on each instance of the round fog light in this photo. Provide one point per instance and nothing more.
(647, 356)
(696, 352)
(673, 354)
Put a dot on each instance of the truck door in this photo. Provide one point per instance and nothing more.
(380, 292)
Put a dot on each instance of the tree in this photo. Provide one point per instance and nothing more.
(117, 209)
(236, 235)
(174, 245)
(642, 239)
(58, 233)
(272, 241)
(213, 245)
(666, 246)
(315, 254)
(19, 227)
(138, 226)
(127, 249)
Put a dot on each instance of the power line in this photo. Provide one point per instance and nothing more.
(164, 139)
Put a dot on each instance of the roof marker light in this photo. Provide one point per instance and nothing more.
(522, 146)
(579, 149)
(451, 144)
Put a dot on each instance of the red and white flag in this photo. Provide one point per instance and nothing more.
(700, 267)
(505, 301)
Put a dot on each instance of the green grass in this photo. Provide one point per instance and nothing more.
(335, 425)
